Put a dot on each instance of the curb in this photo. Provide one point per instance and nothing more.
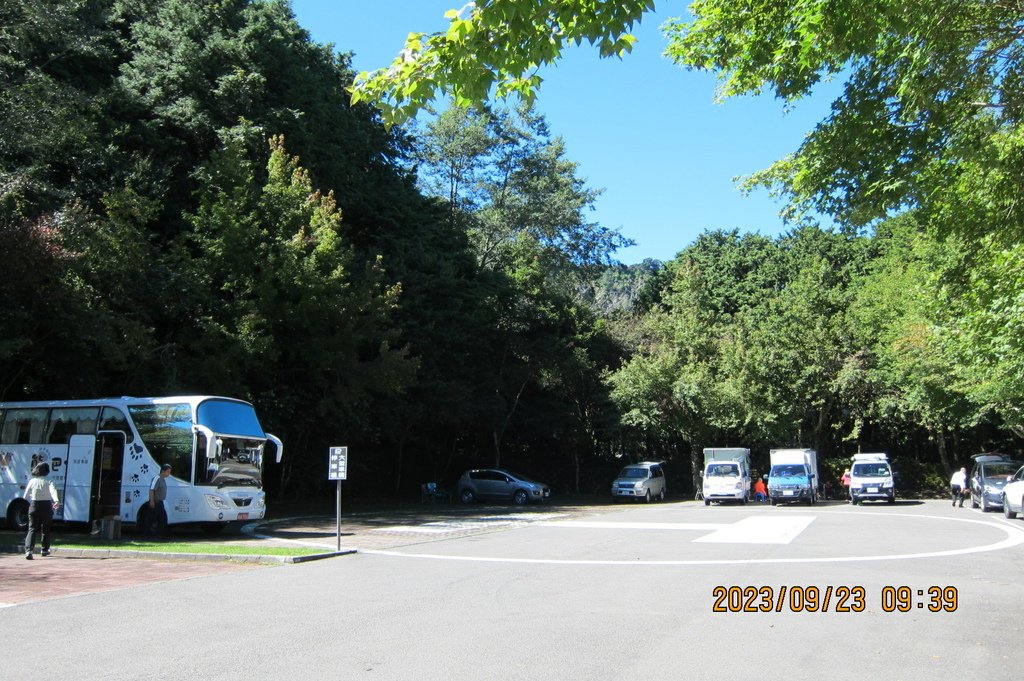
(156, 555)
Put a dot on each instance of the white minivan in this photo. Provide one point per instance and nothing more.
(645, 480)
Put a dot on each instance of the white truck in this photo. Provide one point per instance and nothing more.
(871, 478)
(726, 475)
(793, 476)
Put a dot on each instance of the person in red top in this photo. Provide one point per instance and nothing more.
(846, 481)
(760, 493)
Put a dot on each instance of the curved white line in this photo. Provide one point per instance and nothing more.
(1014, 537)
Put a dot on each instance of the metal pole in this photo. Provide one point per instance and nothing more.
(339, 516)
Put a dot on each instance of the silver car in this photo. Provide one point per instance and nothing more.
(644, 480)
(496, 484)
(1013, 495)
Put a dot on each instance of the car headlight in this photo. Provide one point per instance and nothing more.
(216, 503)
(991, 489)
(637, 485)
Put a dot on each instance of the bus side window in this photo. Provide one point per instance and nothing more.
(114, 419)
(24, 427)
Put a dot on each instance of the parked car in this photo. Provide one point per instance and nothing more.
(988, 476)
(496, 484)
(1013, 495)
(645, 480)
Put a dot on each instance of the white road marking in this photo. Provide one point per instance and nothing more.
(445, 526)
(599, 525)
(759, 530)
(1014, 537)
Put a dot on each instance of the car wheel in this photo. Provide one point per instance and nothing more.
(520, 497)
(707, 503)
(771, 502)
(744, 501)
(17, 515)
(1006, 509)
(466, 496)
(647, 497)
(892, 499)
(983, 505)
(661, 497)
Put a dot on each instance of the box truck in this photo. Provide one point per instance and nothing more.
(726, 475)
(793, 476)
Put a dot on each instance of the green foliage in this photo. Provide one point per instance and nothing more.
(498, 45)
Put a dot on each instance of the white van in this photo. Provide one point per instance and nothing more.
(871, 478)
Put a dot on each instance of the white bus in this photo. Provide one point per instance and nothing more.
(103, 455)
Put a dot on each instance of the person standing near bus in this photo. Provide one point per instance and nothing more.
(157, 494)
(42, 498)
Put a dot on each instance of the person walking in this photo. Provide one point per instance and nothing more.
(957, 486)
(846, 483)
(42, 498)
(157, 524)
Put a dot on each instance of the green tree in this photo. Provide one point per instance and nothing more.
(282, 309)
(498, 44)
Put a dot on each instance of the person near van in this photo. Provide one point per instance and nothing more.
(42, 498)
(846, 482)
(157, 494)
(957, 486)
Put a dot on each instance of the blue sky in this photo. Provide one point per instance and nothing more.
(641, 128)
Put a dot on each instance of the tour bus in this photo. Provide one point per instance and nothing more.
(103, 455)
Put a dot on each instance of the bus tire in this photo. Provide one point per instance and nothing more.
(17, 515)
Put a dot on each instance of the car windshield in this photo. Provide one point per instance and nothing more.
(788, 471)
(999, 470)
(871, 470)
(723, 469)
(631, 472)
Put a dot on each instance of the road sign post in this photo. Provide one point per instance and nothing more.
(337, 469)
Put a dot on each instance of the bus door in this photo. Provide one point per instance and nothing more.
(110, 446)
(78, 479)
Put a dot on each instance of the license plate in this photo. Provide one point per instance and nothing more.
(872, 490)
(243, 516)
(788, 493)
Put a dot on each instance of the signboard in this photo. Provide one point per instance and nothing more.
(337, 467)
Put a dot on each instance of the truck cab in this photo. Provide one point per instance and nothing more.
(726, 480)
(793, 476)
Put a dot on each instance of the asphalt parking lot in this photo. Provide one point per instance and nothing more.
(423, 531)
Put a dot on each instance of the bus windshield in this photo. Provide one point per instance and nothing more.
(229, 418)
(236, 459)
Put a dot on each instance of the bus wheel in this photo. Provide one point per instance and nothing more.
(17, 515)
